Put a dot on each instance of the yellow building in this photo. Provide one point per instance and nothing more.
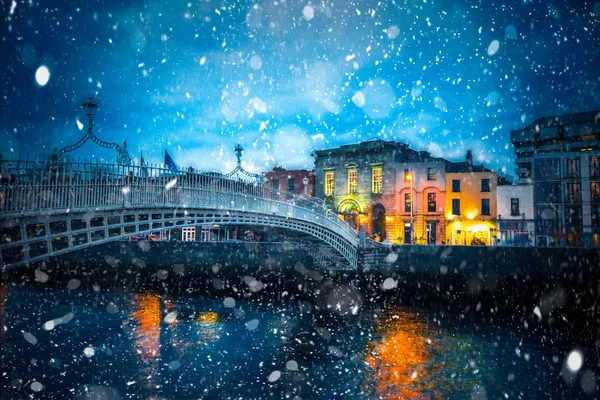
(471, 207)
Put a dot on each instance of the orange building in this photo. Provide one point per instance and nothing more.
(471, 207)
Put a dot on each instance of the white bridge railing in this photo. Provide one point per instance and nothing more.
(34, 187)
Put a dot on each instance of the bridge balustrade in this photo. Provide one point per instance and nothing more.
(28, 188)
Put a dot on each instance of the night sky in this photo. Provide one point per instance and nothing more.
(285, 78)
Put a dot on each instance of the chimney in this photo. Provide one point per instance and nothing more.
(469, 158)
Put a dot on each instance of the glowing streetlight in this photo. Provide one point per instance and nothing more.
(410, 178)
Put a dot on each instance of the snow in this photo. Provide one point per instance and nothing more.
(42, 75)
(574, 361)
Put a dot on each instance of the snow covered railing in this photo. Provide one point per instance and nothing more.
(29, 187)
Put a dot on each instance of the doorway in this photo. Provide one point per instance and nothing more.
(378, 221)
(431, 232)
(407, 233)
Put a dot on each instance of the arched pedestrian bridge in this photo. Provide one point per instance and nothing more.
(50, 208)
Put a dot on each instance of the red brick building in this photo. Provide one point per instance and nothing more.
(290, 181)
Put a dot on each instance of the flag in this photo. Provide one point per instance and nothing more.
(169, 163)
(143, 168)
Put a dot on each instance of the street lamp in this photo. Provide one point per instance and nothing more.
(410, 178)
(305, 183)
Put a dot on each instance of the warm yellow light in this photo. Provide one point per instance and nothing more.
(409, 177)
(389, 219)
(450, 216)
(479, 227)
(208, 317)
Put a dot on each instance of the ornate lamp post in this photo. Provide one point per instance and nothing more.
(90, 108)
(305, 183)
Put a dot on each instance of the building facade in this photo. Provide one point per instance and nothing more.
(516, 226)
(372, 186)
(560, 156)
(291, 181)
(471, 204)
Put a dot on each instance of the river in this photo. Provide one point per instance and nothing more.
(88, 342)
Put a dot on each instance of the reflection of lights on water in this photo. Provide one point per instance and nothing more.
(209, 326)
(399, 358)
(148, 318)
(208, 317)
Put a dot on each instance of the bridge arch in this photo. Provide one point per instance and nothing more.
(44, 217)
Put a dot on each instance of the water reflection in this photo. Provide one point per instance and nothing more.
(146, 316)
(198, 348)
(401, 358)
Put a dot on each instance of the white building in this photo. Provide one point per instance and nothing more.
(516, 225)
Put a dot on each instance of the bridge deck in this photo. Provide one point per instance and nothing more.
(81, 204)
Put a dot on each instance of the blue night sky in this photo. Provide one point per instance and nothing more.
(285, 78)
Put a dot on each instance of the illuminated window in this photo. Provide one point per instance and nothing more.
(431, 202)
(352, 181)
(572, 168)
(376, 180)
(329, 183)
(594, 166)
(188, 234)
(595, 189)
(573, 192)
(407, 202)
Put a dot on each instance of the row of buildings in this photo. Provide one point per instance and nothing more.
(399, 195)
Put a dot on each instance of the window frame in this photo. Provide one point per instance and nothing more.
(486, 207)
(456, 207)
(407, 202)
(515, 201)
(431, 173)
(455, 185)
(572, 168)
(353, 181)
(430, 202)
(485, 184)
(376, 180)
(329, 183)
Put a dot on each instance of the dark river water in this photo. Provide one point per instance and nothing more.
(63, 343)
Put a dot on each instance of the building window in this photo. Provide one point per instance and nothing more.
(485, 185)
(352, 181)
(485, 206)
(573, 192)
(290, 185)
(572, 168)
(407, 202)
(329, 183)
(456, 185)
(431, 174)
(595, 191)
(376, 180)
(431, 202)
(456, 206)
(407, 175)
(596, 220)
(275, 184)
(546, 169)
(594, 166)
(514, 207)
(188, 234)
